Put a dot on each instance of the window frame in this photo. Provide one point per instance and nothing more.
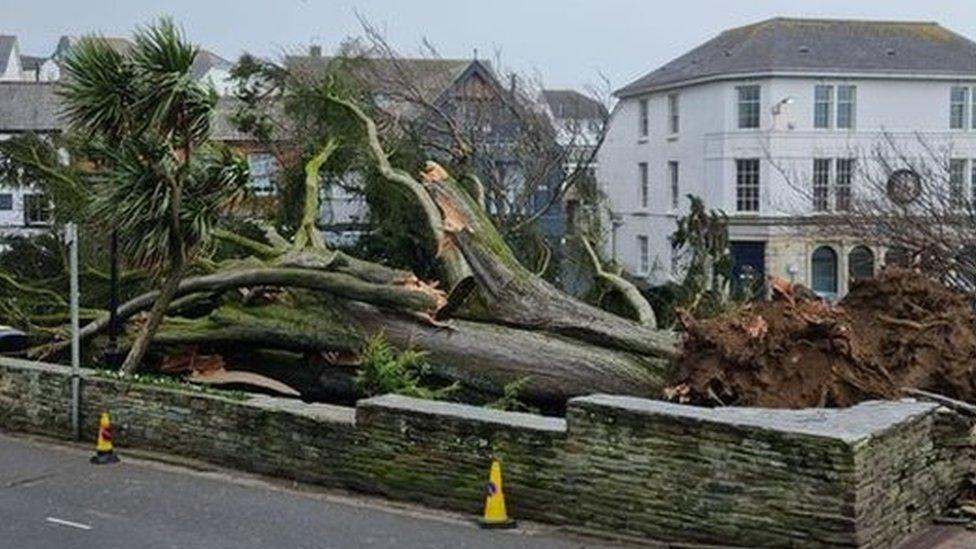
(643, 254)
(46, 210)
(843, 188)
(853, 264)
(755, 106)
(962, 104)
(644, 185)
(748, 185)
(835, 276)
(821, 181)
(9, 198)
(827, 104)
(271, 167)
(957, 181)
(850, 105)
(673, 178)
(643, 118)
(674, 114)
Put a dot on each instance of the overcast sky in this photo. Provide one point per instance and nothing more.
(568, 43)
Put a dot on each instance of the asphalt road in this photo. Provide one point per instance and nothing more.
(51, 497)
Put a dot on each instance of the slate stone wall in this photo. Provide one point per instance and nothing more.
(865, 476)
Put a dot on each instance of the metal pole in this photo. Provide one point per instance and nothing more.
(71, 234)
(113, 303)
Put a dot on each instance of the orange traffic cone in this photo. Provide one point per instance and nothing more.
(495, 514)
(104, 453)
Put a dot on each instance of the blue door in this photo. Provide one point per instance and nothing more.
(748, 266)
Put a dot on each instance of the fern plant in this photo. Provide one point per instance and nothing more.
(385, 369)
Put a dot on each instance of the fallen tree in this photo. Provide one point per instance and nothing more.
(230, 289)
(490, 323)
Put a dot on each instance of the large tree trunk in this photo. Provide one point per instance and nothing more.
(481, 355)
(514, 295)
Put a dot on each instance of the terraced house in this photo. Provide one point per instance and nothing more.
(770, 123)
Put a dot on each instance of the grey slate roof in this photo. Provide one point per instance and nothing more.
(573, 104)
(29, 107)
(783, 45)
(435, 75)
(7, 43)
(206, 60)
(31, 62)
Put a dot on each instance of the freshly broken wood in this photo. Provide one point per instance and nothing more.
(516, 296)
(238, 377)
(455, 272)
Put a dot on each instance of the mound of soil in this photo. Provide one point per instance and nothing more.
(897, 330)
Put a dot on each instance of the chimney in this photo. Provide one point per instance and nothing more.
(514, 81)
(315, 51)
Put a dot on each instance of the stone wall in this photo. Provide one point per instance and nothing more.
(863, 476)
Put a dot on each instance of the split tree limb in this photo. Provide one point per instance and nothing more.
(458, 281)
(630, 293)
(517, 297)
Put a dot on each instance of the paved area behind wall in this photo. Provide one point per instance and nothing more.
(50, 496)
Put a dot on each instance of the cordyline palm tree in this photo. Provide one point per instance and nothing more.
(156, 177)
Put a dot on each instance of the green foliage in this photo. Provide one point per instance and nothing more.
(145, 121)
(511, 401)
(384, 369)
(394, 229)
(701, 246)
(135, 199)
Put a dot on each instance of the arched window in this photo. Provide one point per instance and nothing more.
(860, 263)
(824, 270)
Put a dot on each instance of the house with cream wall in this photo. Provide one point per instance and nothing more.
(772, 123)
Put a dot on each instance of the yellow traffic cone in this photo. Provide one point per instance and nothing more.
(495, 515)
(104, 453)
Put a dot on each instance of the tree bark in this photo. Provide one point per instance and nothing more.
(642, 309)
(159, 305)
(515, 296)
(483, 356)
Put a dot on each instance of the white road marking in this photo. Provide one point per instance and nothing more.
(62, 522)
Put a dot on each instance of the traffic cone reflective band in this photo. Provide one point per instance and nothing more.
(495, 515)
(104, 453)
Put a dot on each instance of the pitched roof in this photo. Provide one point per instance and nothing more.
(31, 62)
(7, 43)
(119, 44)
(206, 60)
(573, 104)
(29, 106)
(433, 74)
(784, 45)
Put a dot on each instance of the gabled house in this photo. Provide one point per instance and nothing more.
(769, 123)
(29, 104)
(26, 107)
(468, 91)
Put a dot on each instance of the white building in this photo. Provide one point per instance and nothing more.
(766, 122)
(25, 107)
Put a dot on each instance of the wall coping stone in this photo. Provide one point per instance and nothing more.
(849, 425)
(42, 366)
(518, 420)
